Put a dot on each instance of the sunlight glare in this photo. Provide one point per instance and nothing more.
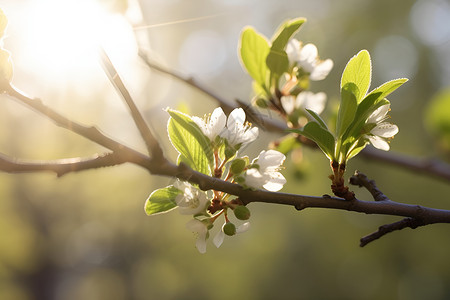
(63, 38)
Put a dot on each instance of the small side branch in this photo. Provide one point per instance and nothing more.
(61, 166)
(89, 132)
(259, 120)
(361, 180)
(385, 229)
(152, 144)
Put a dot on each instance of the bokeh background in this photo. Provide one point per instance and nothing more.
(86, 236)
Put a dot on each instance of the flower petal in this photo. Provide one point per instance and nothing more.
(288, 103)
(311, 101)
(385, 130)
(275, 183)
(379, 142)
(321, 70)
(293, 50)
(270, 159)
(218, 239)
(217, 122)
(243, 228)
(378, 114)
(201, 230)
(308, 56)
(236, 119)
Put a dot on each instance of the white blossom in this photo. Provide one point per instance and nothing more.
(220, 236)
(265, 171)
(383, 131)
(239, 132)
(191, 201)
(307, 57)
(304, 100)
(213, 125)
(201, 229)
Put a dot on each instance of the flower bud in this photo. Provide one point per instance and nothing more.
(230, 152)
(262, 103)
(238, 165)
(229, 229)
(242, 212)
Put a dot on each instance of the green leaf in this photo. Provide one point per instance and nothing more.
(253, 51)
(359, 72)
(388, 87)
(277, 59)
(194, 147)
(317, 118)
(285, 32)
(322, 137)
(347, 109)
(161, 200)
(356, 149)
(277, 62)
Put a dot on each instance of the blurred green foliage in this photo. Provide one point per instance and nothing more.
(86, 235)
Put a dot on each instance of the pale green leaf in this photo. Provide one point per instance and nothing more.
(161, 200)
(277, 62)
(285, 32)
(194, 147)
(317, 118)
(347, 109)
(388, 87)
(359, 72)
(322, 137)
(253, 50)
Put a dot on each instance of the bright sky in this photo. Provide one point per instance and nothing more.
(60, 39)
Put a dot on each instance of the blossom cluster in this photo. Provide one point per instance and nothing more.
(304, 65)
(222, 139)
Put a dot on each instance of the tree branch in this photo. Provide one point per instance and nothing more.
(385, 229)
(415, 214)
(61, 166)
(434, 167)
(89, 132)
(152, 144)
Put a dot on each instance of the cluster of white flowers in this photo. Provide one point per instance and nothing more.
(263, 172)
(237, 132)
(306, 59)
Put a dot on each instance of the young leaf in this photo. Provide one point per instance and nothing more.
(359, 72)
(161, 200)
(322, 137)
(317, 118)
(285, 32)
(277, 59)
(194, 147)
(388, 87)
(277, 62)
(347, 109)
(253, 51)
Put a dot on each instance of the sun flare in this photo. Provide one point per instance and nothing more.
(61, 38)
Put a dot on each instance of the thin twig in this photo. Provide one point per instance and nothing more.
(385, 229)
(60, 166)
(152, 144)
(90, 132)
(362, 180)
(257, 119)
